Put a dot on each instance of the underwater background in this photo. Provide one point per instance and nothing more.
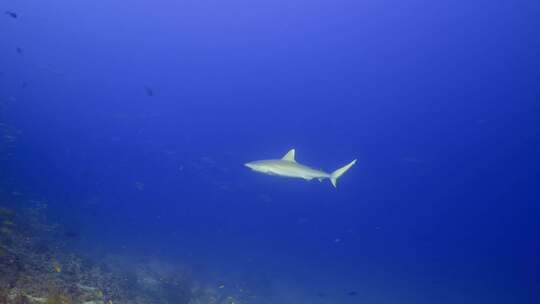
(125, 126)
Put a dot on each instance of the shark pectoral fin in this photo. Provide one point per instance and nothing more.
(289, 156)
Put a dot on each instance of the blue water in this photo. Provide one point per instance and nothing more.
(132, 121)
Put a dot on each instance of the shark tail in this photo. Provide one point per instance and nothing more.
(339, 172)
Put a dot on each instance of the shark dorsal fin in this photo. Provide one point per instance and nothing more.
(289, 156)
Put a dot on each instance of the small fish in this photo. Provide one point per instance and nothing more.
(149, 91)
(8, 223)
(11, 14)
(139, 186)
(19, 51)
(352, 293)
(71, 234)
(5, 212)
(57, 267)
(6, 231)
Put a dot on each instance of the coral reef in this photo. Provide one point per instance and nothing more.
(37, 267)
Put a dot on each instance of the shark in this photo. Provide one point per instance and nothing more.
(287, 166)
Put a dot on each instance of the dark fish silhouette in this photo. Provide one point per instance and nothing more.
(19, 50)
(149, 91)
(24, 85)
(11, 14)
(352, 293)
(321, 295)
(71, 234)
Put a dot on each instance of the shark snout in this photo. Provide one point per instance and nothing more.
(249, 165)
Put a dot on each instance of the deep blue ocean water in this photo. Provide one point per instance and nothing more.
(132, 121)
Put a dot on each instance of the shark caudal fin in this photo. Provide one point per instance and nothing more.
(339, 172)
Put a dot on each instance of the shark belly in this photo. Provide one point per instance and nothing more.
(297, 171)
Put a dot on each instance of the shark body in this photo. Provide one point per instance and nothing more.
(288, 167)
